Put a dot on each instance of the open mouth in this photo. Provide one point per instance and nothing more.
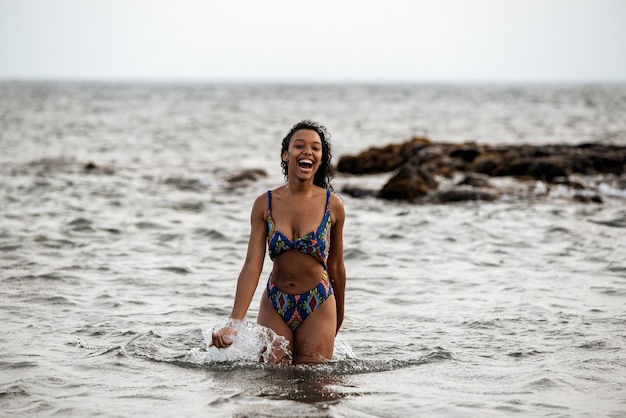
(305, 164)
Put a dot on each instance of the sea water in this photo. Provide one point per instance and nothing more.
(121, 239)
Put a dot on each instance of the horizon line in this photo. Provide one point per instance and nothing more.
(309, 81)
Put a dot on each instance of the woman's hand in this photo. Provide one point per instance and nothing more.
(222, 338)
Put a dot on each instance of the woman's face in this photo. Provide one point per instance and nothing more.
(304, 155)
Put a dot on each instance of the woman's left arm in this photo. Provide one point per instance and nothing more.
(336, 267)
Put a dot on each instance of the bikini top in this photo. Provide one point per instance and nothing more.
(316, 243)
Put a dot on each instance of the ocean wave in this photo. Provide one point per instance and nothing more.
(615, 223)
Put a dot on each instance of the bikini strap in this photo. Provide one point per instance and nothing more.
(327, 199)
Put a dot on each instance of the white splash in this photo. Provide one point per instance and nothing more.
(256, 343)
(343, 351)
(252, 342)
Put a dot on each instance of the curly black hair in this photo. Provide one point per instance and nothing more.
(324, 174)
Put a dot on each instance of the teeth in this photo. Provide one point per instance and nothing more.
(305, 161)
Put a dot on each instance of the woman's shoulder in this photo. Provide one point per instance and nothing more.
(336, 204)
(273, 191)
(334, 196)
(261, 203)
(276, 191)
(264, 200)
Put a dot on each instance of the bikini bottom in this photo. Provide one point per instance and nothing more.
(294, 309)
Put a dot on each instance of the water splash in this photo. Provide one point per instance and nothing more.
(343, 351)
(81, 343)
(256, 343)
(252, 342)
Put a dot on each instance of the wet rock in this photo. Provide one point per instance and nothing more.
(488, 165)
(429, 153)
(381, 159)
(409, 152)
(420, 164)
(608, 162)
(543, 168)
(247, 175)
(566, 181)
(375, 160)
(476, 180)
(92, 168)
(355, 191)
(406, 184)
(459, 194)
(586, 198)
(467, 154)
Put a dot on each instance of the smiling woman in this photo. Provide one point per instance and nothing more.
(302, 223)
(320, 144)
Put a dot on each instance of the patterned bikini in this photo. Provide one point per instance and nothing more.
(294, 309)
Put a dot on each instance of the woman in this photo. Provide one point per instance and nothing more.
(302, 222)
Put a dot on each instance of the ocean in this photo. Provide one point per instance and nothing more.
(122, 235)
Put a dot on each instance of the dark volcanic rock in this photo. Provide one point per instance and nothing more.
(375, 160)
(459, 194)
(543, 168)
(467, 154)
(356, 191)
(249, 174)
(419, 163)
(380, 159)
(476, 180)
(406, 184)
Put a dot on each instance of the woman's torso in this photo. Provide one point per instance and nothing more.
(298, 238)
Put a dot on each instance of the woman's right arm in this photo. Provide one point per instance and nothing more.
(250, 272)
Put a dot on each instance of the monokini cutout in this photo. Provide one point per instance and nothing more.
(294, 309)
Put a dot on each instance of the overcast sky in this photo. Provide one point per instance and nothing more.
(323, 40)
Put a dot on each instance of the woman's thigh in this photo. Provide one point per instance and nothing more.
(268, 317)
(315, 338)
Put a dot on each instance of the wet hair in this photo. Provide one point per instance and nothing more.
(324, 174)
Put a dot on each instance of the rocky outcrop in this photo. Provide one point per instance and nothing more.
(419, 167)
(246, 175)
(408, 183)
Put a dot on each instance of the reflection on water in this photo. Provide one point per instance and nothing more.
(293, 390)
(307, 386)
